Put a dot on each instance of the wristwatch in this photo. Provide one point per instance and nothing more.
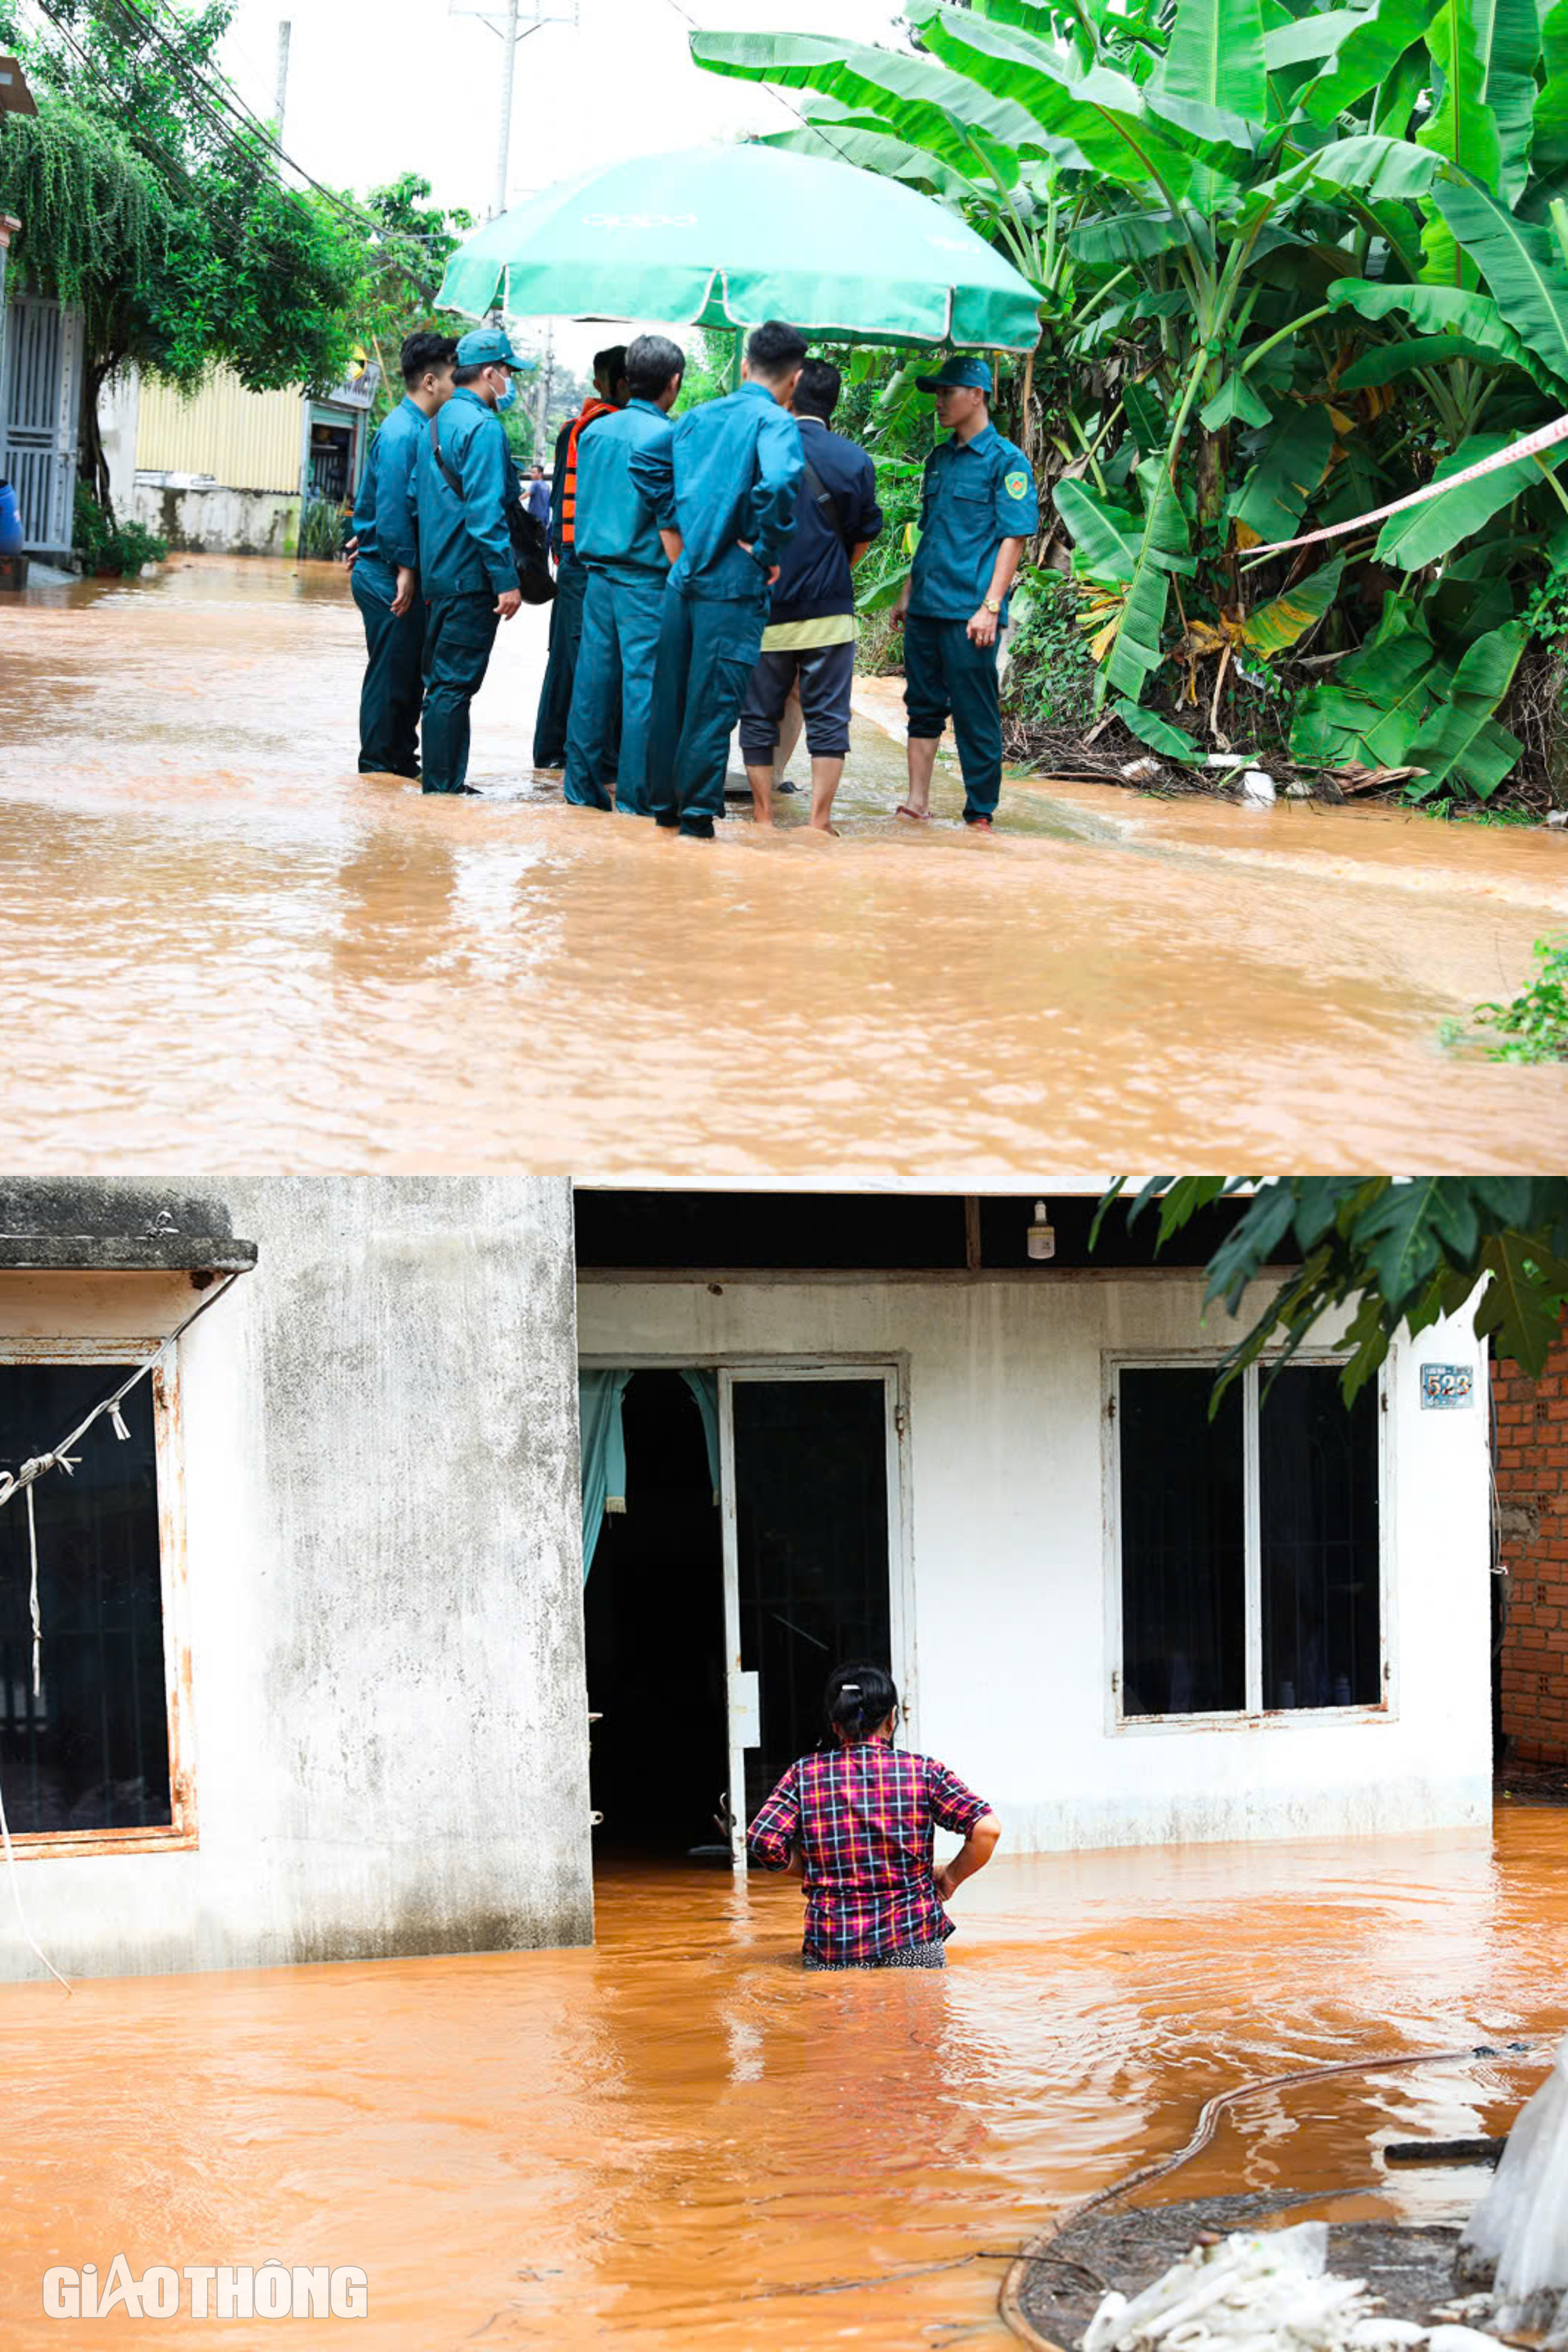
(994, 603)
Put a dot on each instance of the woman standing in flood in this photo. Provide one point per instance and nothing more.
(856, 1820)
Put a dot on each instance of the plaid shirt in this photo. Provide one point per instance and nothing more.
(863, 1818)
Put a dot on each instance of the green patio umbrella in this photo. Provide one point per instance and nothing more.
(726, 236)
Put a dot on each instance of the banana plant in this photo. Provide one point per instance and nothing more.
(1306, 258)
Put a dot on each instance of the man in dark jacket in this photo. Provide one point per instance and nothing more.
(555, 713)
(810, 634)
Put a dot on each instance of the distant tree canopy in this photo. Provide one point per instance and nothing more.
(150, 198)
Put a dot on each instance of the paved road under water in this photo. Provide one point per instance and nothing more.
(226, 947)
(676, 2138)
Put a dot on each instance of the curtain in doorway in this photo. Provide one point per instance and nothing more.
(704, 1387)
(603, 1445)
(603, 1454)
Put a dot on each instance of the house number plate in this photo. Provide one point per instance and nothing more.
(1444, 1386)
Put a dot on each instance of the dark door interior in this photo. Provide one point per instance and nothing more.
(811, 1490)
(654, 1608)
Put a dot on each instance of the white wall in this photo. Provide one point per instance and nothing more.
(384, 1589)
(1005, 1452)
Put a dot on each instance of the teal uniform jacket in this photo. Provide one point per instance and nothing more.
(382, 523)
(617, 527)
(464, 546)
(727, 473)
(975, 494)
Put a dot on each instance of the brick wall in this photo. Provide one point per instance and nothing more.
(1531, 1451)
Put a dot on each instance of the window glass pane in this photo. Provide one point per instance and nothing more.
(1318, 1477)
(1183, 1537)
(91, 1752)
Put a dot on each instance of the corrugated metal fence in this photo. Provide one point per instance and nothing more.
(246, 440)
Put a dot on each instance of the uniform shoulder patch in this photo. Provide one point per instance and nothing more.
(1016, 483)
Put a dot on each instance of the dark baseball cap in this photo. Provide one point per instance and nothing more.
(963, 368)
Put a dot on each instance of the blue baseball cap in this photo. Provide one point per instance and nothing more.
(963, 368)
(487, 346)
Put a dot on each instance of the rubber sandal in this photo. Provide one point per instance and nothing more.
(920, 816)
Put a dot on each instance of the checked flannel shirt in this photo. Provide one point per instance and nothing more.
(863, 1818)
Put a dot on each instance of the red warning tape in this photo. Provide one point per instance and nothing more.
(1548, 434)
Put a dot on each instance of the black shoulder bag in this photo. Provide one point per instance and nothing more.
(529, 541)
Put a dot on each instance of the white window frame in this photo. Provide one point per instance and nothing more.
(1252, 1715)
(180, 1831)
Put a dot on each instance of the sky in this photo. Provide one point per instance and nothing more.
(380, 87)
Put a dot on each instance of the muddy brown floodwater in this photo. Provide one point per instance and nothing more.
(677, 2139)
(223, 946)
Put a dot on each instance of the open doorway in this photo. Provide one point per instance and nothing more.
(654, 1612)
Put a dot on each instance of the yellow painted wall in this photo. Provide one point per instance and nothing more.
(246, 440)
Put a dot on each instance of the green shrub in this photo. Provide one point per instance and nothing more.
(1050, 676)
(320, 529)
(1533, 1026)
(105, 546)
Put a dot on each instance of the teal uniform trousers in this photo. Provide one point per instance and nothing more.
(393, 683)
(707, 648)
(615, 662)
(459, 631)
(944, 673)
(561, 672)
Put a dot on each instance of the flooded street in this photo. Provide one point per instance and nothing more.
(679, 2138)
(227, 948)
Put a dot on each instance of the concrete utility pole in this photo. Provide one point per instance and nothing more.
(503, 143)
(284, 29)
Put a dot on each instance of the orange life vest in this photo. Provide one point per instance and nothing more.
(591, 408)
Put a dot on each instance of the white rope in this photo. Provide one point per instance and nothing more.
(1532, 442)
(22, 1482)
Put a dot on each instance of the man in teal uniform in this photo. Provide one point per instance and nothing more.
(609, 393)
(468, 573)
(977, 508)
(382, 545)
(723, 487)
(619, 541)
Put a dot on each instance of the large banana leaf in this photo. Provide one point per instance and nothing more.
(1215, 56)
(1439, 310)
(1306, 39)
(1105, 116)
(1388, 361)
(1422, 534)
(1463, 129)
(1509, 39)
(1459, 737)
(1520, 264)
(1236, 401)
(1136, 651)
(1105, 538)
(1271, 501)
(1367, 55)
(1372, 713)
(1372, 169)
(1274, 626)
(1127, 236)
(874, 151)
(919, 101)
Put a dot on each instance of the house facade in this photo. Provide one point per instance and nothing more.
(1531, 1420)
(453, 1476)
(225, 470)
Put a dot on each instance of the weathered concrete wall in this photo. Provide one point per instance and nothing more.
(1532, 1529)
(383, 1586)
(218, 521)
(1009, 1667)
